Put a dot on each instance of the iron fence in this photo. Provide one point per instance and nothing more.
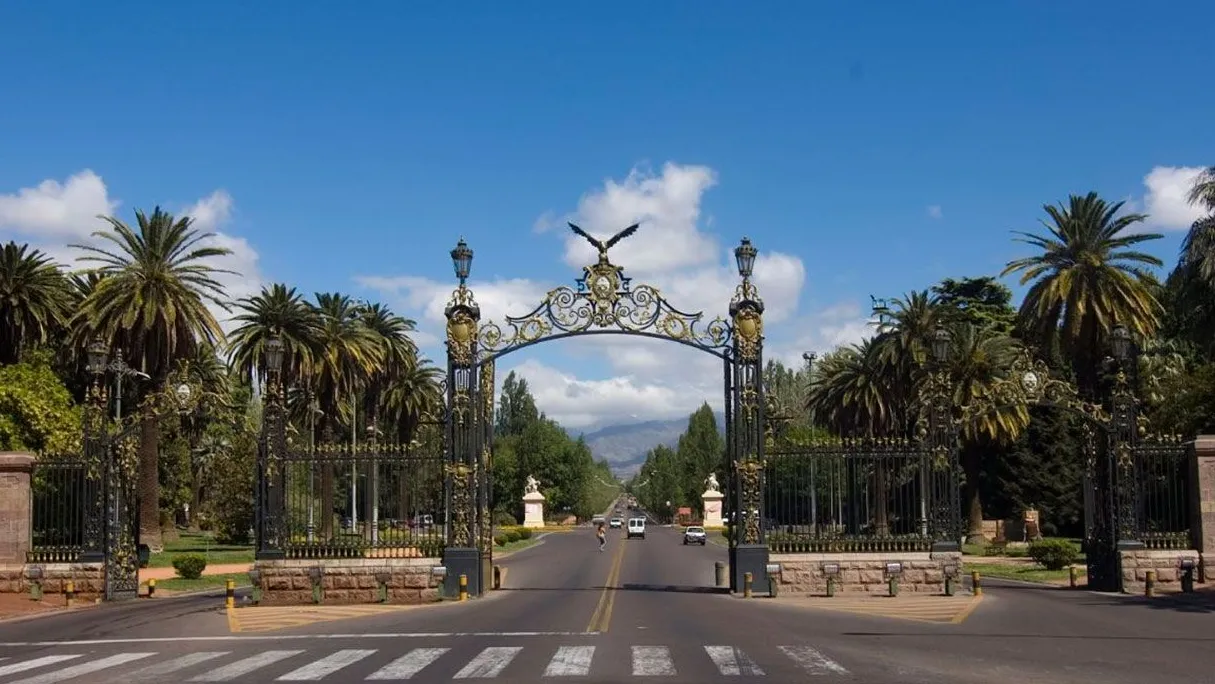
(62, 494)
(850, 496)
(1163, 479)
(373, 501)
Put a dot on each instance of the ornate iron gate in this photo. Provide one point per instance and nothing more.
(604, 301)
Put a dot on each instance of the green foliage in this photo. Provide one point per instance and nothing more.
(983, 302)
(229, 479)
(678, 475)
(1054, 554)
(190, 566)
(36, 409)
(508, 535)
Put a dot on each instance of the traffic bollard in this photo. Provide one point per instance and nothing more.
(747, 579)
(830, 587)
(1072, 576)
(1149, 583)
(230, 592)
(463, 587)
(151, 587)
(719, 573)
(69, 591)
(976, 583)
(1187, 580)
(894, 587)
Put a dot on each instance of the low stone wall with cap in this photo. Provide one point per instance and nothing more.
(802, 574)
(88, 579)
(348, 581)
(1167, 564)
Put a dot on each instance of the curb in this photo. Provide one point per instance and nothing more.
(46, 613)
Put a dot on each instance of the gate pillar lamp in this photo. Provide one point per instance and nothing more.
(461, 259)
(744, 256)
(940, 346)
(1120, 342)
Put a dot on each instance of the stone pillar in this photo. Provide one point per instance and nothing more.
(533, 509)
(1202, 497)
(711, 502)
(15, 506)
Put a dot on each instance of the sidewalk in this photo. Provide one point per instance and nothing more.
(159, 574)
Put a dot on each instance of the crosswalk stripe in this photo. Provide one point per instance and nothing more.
(813, 661)
(489, 663)
(652, 661)
(244, 666)
(153, 672)
(326, 666)
(409, 664)
(570, 661)
(83, 668)
(36, 662)
(731, 661)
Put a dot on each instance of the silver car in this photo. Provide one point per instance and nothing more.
(694, 535)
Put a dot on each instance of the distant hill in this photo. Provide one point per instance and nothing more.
(624, 446)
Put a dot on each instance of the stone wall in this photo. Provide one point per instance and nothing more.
(1135, 565)
(1202, 496)
(88, 578)
(15, 511)
(348, 581)
(923, 573)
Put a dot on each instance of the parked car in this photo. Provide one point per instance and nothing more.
(636, 528)
(694, 535)
(615, 523)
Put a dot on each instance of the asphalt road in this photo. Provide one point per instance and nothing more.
(641, 609)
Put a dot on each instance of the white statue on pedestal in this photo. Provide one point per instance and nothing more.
(711, 483)
(711, 500)
(533, 503)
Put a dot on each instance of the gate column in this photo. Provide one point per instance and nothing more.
(1202, 498)
(464, 438)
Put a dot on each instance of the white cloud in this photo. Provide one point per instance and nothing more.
(934, 211)
(1165, 201)
(53, 215)
(649, 379)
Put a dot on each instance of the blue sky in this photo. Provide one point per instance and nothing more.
(877, 146)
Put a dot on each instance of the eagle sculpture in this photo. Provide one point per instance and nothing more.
(603, 247)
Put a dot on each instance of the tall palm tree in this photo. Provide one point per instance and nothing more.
(152, 303)
(35, 300)
(1086, 279)
(397, 352)
(276, 311)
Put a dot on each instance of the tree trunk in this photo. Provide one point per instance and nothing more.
(971, 462)
(149, 481)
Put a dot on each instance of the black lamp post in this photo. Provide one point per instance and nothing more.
(270, 490)
(940, 345)
(99, 365)
(461, 259)
(744, 256)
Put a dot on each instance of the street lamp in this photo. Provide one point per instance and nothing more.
(940, 345)
(744, 256)
(97, 353)
(1120, 340)
(274, 354)
(99, 366)
(461, 259)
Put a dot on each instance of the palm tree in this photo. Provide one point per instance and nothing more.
(276, 311)
(1086, 279)
(35, 300)
(152, 303)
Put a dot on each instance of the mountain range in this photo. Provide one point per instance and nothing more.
(624, 445)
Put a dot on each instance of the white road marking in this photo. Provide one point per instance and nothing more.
(84, 668)
(153, 672)
(244, 666)
(489, 663)
(652, 661)
(409, 664)
(289, 637)
(36, 662)
(326, 666)
(731, 661)
(570, 661)
(813, 661)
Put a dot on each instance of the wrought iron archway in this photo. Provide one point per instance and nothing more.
(603, 301)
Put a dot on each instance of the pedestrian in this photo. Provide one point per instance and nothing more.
(599, 532)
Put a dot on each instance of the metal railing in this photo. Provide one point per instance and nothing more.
(1163, 478)
(62, 493)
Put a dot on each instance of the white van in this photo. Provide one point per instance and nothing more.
(636, 528)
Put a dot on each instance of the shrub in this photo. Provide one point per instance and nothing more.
(190, 566)
(504, 519)
(1054, 554)
(500, 540)
(524, 532)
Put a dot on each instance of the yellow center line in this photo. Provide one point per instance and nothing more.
(603, 611)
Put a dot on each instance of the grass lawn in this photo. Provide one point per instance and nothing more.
(1026, 572)
(518, 545)
(177, 584)
(204, 545)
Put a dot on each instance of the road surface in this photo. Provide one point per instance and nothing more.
(642, 610)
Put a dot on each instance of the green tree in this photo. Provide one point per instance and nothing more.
(700, 451)
(34, 300)
(983, 302)
(36, 410)
(152, 302)
(516, 407)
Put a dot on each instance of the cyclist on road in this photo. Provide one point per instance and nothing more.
(599, 532)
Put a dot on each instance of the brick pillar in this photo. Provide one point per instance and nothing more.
(1202, 496)
(15, 506)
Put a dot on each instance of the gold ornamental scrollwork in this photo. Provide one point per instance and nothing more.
(461, 503)
(750, 473)
(604, 299)
(747, 310)
(461, 333)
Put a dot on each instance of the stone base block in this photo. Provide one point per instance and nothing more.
(88, 579)
(347, 580)
(1167, 565)
(802, 574)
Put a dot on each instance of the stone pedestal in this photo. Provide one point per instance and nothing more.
(1202, 499)
(711, 503)
(533, 509)
(15, 506)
